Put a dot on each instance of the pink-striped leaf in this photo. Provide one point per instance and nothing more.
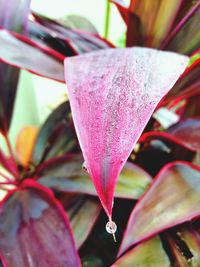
(13, 16)
(172, 198)
(187, 131)
(112, 95)
(22, 52)
(34, 230)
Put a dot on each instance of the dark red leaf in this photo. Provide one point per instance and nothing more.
(185, 38)
(34, 230)
(80, 41)
(172, 199)
(112, 95)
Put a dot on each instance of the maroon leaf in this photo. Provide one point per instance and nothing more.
(171, 25)
(162, 207)
(111, 105)
(151, 21)
(190, 142)
(191, 108)
(34, 230)
(185, 38)
(80, 41)
(23, 53)
(187, 131)
(13, 16)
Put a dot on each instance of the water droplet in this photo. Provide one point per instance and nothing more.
(84, 167)
(111, 227)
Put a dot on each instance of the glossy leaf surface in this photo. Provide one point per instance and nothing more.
(31, 223)
(173, 198)
(56, 135)
(149, 253)
(69, 177)
(79, 41)
(187, 131)
(187, 85)
(111, 105)
(150, 21)
(185, 38)
(83, 215)
(13, 16)
(23, 53)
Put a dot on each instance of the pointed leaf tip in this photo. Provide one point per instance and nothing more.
(113, 93)
(161, 207)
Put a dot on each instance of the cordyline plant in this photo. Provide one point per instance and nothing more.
(50, 215)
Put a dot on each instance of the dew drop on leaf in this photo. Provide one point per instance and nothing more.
(84, 167)
(111, 227)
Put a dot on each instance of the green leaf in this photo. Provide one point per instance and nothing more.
(83, 215)
(69, 177)
(173, 198)
(148, 254)
(56, 136)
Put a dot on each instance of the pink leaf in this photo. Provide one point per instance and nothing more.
(34, 230)
(172, 199)
(112, 94)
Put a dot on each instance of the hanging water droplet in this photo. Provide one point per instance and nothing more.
(84, 167)
(111, 227)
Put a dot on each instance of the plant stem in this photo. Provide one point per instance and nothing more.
(107, 19)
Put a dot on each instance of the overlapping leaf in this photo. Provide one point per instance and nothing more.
(187, 85)
(31, 223)
(13, 16)
(56, 136)
(149, 253)
(79, 41)
(83, 215)
(170, 25)
(187, 131)
(69, 177)
(23, 53)
(112, 94)
(185, 246)
(172, 199)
